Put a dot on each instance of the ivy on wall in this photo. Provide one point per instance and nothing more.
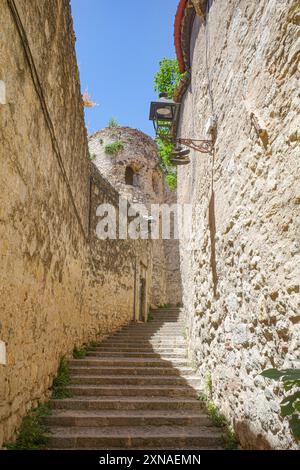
(166, 80)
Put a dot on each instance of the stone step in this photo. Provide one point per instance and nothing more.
(133, 362)
(129, 437)
(127, 403)
(140, 335)
(129, 370)
(137, 380)
(132, 390)
(158, 350)
(128, 418)
(141, 344)
(135, 354)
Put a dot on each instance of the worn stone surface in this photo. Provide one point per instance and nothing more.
(241, 263)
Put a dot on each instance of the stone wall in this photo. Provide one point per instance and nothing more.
(60, 286)
(241, 262)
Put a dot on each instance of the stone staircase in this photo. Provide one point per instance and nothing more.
(135, 390)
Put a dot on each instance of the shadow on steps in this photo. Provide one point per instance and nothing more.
(134, 390)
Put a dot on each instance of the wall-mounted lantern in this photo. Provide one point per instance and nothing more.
(165, 113)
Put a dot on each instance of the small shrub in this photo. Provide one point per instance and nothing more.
(32, 431)
(218, 418)
(114, 148)
(79, 353)
(208, 384)
(150, 317)
(171, 180)
(230, 441)
(184, 333)
(168, 77)
(61, 381)
(112, 123)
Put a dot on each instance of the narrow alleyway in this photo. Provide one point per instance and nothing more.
(135, 390)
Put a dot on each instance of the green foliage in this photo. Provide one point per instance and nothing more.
(79, 353)
(229, 438)
(32, 431)
(208, 384)
(218, 418)
(150, 317)
(230, 441)
(290, 405)
(171, 180)
(184, 333)
(61, 381)
(112, 123)
(92, 156)
(168, 77)
(165, 148)
(114, 148)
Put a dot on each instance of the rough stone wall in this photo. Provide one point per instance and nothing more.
(59, 286)
(241, 262)
(172, 259)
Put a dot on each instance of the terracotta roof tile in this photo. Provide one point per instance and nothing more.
(177, 34)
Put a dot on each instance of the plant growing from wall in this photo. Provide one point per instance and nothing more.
(168, 77)
(290, 405)
(166, 80)
(229, 438)
(114, 148)
(79, 353)
(112, 123)
(32, 433)
(61, 381)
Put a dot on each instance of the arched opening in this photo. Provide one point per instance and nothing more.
(129, 176)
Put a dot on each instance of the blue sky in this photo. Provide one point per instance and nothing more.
(119, 46)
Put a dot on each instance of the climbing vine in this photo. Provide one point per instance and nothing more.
(168, 77)
(166, 80)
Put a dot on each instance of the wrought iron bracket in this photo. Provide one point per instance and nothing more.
(203, 146)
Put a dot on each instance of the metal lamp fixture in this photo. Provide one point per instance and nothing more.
(164, 113)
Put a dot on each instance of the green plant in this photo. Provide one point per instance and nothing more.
(150, 317)
(112, 123)
(114, 148)
(229, 438)
(171, 180)
(218, 418)
(79, 353)
(208, 384)
(92, 156)
(290, 405)
(61, 381)
(168, 77)
(184, 333)
(230, 441)
(32, 432)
